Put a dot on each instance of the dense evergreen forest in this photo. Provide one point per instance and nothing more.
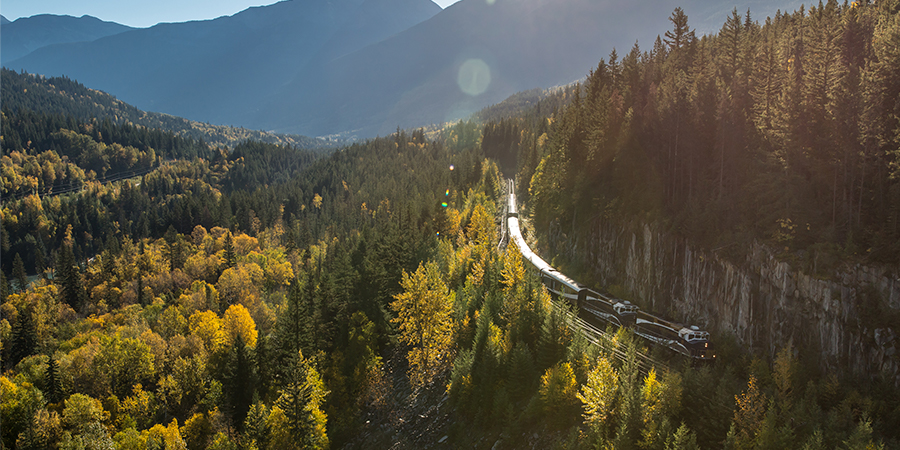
(61, 95)
(785, 131)
(193, 297)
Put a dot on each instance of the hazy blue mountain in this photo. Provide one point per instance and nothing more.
(69, 98)
(411, 79)
(22, 36)
(218, 70)
(4, 20)
(319, 67)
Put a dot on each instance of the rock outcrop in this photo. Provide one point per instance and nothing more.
(848, 320)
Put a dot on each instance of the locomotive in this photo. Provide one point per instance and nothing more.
(597, 308)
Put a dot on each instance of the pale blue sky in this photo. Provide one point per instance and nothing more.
(138, 13)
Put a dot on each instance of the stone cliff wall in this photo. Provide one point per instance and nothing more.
(847, 320)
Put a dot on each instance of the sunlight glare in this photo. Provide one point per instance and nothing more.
(474, 77)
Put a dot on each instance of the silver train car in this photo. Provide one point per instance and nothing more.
(599, 309)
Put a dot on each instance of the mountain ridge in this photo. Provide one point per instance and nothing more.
(27, 34)
(221, 66)
(66, 97)
(248, 69)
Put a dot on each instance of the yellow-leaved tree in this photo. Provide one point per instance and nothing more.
(237, 322)
(423, 317)
(598, 396)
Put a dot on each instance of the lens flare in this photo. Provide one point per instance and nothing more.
(474, 77)
(444, 204)
(447, 193)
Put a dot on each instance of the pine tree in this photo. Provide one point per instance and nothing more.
(294, 332)
(53, 389)
(4, 287)
(554, 338)
(730, 38)
(174, 248)
(749, 413)
(70, 278)
(230, 258)
(301, 401)
(40, 257)
(256, 429)
(19, 273)
(629, 408)
(683, 439)
(264, 370)
(681, 35)
(24, 338)
(239, 382)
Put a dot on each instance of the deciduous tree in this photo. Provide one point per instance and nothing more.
(423, 318)
(598, 395)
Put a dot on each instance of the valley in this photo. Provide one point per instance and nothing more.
(173, 278)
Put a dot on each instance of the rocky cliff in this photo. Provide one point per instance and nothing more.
(849, 319)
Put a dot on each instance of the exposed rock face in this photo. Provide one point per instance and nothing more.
(848, 321)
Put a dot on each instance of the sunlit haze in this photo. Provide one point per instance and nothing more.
(138, 13)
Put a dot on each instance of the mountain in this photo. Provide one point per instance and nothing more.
(22, 36)
(4, 20)
(68, 98)
(363, 67)
(412, 79)
(217, 70)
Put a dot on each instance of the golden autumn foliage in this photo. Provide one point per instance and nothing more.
(207, 326)
(237, 322)
(558, 392)
(750, 410)
(423, 318)
(599, 393)
(239, 285)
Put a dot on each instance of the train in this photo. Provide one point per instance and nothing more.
(599, 309)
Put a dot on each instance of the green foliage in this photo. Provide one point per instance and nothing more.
(52, 385)
(683, 439)
(24, 338)
(701, 133)
(558, 394)
(67, 98)
(239, 382)
(300, 402)
(308, 259)
(760, 131)
(19, 275)
(18, 404)
(70, 278)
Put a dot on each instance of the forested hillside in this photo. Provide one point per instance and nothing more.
(189, 297)
(185, 299)
(224, 70)
(785, 131)
(69, 98)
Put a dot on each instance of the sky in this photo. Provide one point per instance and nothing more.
(138, 13)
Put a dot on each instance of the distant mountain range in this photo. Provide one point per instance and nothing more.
(62, 96)
(219, 70)
(25, 35)
(364, 67)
